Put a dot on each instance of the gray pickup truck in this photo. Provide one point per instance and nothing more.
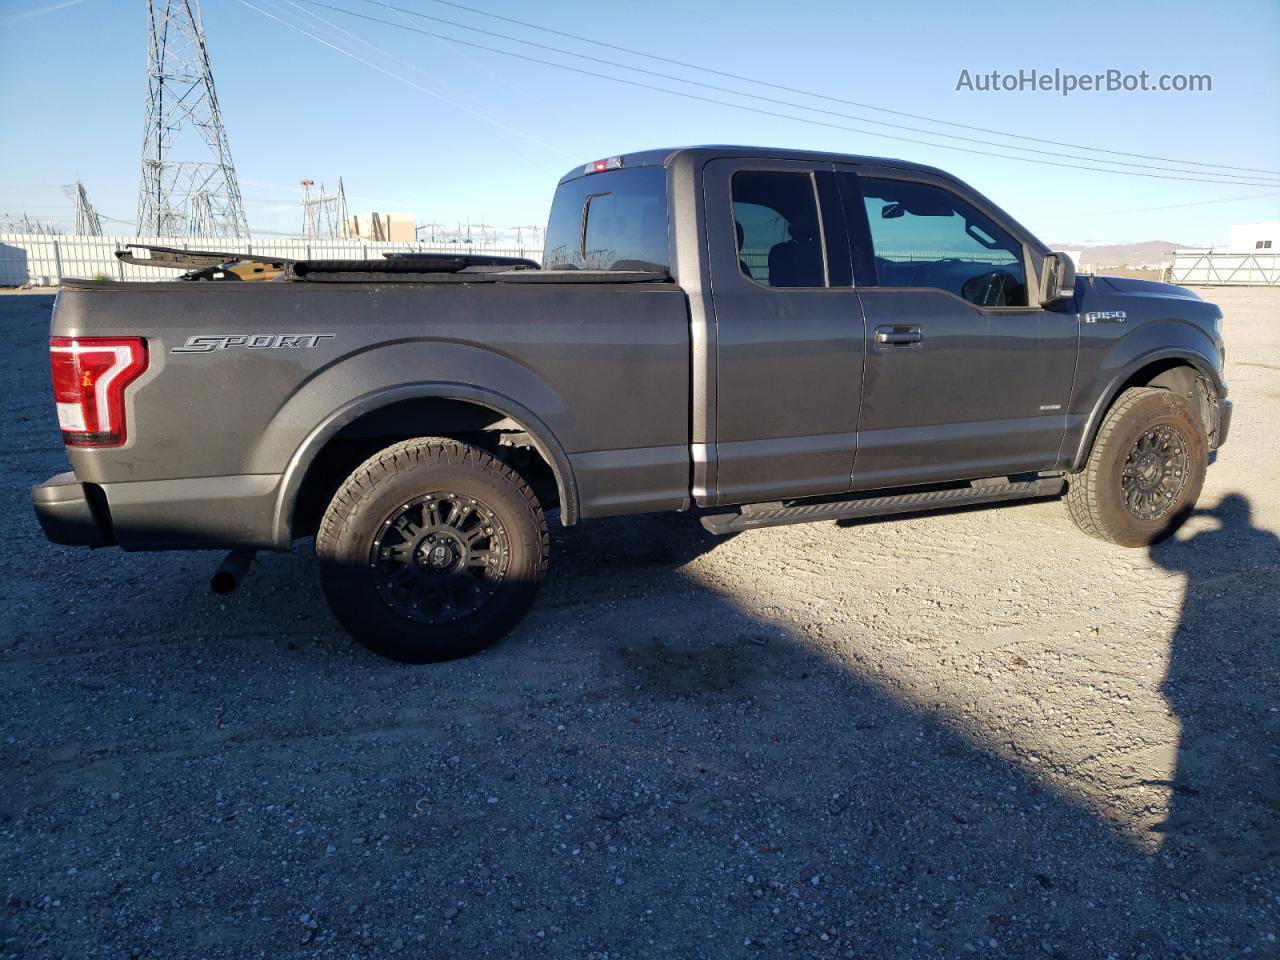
(772, 336)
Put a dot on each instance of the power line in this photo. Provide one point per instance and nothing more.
(28, 14)
(774, 100)
(764, 112)
(823, 96)
(462, 53)
(395, 76)
(417, 69)
(1197, 203)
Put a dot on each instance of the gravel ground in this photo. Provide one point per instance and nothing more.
(977, 733)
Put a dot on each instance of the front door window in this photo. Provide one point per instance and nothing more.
(928, 237)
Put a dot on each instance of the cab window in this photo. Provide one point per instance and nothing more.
(927, 236)
(610, 221)
(779, 234)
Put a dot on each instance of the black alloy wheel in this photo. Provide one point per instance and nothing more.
(439, 557)
(1155, 472)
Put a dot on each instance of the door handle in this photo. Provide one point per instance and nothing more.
(899, 336)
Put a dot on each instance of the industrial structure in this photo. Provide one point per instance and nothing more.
(325, 217)
(188, 184)
(382, 227)
(1251, 258)
(189, 189)
(88, 223)
(24, 226)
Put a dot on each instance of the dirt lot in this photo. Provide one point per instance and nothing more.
(977, 733)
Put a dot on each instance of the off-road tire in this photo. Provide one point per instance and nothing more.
(350, 542)
(1095, 496)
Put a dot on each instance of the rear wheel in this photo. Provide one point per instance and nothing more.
(1145, 470)
(431, 550)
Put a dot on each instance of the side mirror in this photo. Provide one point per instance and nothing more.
(1057, 279)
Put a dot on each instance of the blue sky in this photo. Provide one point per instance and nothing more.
(494, 134)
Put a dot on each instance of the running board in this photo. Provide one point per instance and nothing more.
(775, 514)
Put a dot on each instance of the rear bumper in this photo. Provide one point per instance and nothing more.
(199, 513)
(67, 514)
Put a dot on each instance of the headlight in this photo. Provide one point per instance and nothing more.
(1217, 326)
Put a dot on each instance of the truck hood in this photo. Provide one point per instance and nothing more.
(1148, 288)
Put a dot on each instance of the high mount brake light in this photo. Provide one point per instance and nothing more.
(89, 379)
(600, 166)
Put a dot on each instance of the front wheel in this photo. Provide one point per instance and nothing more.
(1145, 470)
(432, 549)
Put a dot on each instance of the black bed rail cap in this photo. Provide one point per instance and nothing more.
(467, 259)
(413, 263)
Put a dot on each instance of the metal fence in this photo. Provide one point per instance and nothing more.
(1213, 268)
(41, 260)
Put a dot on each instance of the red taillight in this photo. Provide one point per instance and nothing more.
(89, 378)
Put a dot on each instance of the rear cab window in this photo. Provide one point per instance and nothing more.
(615, 220)
(778, 230)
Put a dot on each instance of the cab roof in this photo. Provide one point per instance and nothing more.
(665, 156)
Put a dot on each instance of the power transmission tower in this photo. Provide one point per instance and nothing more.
(189, 183)
(533, 229)
(435, 231)
(37, 227)
(344, 215)
(88, 223)
(204, 222)
(324, 217)
(310, 211)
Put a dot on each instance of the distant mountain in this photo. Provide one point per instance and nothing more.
(1122, 254)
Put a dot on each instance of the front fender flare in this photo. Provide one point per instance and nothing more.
(544, 442)
(1107, 396)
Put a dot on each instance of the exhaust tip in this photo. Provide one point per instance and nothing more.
(232, 569)
(223, 583)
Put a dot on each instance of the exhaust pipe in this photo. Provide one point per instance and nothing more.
(233, 568)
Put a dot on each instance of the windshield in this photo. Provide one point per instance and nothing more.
(610, 221)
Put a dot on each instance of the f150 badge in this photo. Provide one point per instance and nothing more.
(253, 341)
(1106, 316)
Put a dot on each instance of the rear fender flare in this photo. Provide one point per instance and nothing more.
(544, 442)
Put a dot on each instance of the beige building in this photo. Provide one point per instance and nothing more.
(393, 227)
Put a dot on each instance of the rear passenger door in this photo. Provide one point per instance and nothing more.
(966, 376)
(789, 332)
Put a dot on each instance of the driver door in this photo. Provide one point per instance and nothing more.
(965, 377)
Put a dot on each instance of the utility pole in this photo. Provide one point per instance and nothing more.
(188, 181)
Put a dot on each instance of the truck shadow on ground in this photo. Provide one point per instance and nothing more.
(1221, 684)
(645, 766)
(813, 719)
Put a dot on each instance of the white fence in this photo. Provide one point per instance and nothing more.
(1213, 268)
(41, 260)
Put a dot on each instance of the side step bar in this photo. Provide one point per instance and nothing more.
(776, 514)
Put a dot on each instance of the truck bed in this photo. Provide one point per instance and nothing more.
(246, 381)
